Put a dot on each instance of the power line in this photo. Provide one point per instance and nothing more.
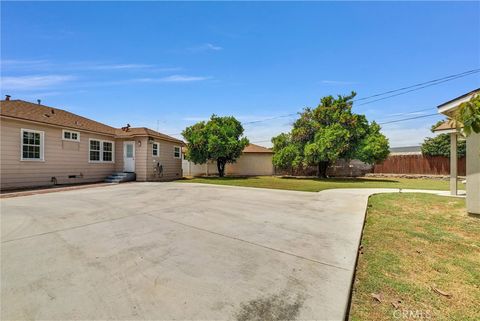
(405, 92)
(383, 123)
(399, 91)
(410, 118)
(256, 121)
(271, 118)
(413, 112)
(421, 85)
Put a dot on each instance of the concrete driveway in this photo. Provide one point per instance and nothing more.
(179, 251)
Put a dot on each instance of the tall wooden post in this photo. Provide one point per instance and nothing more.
(453, 163)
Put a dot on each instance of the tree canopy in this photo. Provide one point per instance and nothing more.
(440, 145)
(220, 139)
(328, 132)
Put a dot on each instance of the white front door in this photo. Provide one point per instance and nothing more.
(129, 156)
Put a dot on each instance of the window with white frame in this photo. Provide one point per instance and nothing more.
(107, 151)
(95, 150)
(100, 150)
(155, 149)
(70, 135)
(176, 152)
(32, 144)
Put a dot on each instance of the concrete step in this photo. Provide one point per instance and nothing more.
(120, 177)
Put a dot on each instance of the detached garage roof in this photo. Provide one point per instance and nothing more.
(252, 148)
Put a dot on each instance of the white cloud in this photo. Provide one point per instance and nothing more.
(173, 78)
(205, 47)
(38, 64)
(18, 62)
(33, 81)
(118, 66)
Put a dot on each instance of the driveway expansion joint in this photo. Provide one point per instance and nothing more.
(251, 243)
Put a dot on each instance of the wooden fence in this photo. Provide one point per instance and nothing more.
(419, 164)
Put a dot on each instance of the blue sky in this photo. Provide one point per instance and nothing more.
(168, 65)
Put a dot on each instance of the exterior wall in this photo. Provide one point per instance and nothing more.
(473, 173)
(164, 166)
(119, 154)
(141, 148)
(61, 158)
(248, 164)
(251, 164)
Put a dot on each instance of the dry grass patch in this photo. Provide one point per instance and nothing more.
(420, 255)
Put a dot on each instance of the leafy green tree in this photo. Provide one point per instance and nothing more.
(468, 114)
(328, 132)
(440, 145)
(220, 139)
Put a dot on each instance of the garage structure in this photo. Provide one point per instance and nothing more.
(255, 161)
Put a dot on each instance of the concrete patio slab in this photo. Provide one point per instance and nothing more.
(179, 251)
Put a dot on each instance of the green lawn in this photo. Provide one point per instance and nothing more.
(315, 185)
(414, 245)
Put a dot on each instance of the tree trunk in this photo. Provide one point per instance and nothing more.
(322, 169)
(221, 167)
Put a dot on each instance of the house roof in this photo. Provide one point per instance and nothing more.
(252, 148)
(448, 125)
(459, 97)
(144, 131)
(24, 110)
(448, 107)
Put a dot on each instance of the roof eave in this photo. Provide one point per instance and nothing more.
(57, 126)
(448, 107)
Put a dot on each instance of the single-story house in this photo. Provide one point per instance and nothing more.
(472, 153)
(254, 161)
(42, 145)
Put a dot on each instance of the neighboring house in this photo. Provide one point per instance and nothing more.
(406, 150)
(255, 161)
(472, 152)
(41, 145)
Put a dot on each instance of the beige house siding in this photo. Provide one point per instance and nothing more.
(473, 173)
(251, 164)
(61, 158)
(119, 154)
(171, 167)
(141, 148)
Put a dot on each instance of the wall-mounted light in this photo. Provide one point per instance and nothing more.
(139, 142)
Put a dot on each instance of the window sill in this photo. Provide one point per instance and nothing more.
(101, 162)
(71, 140)
(31, 160)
